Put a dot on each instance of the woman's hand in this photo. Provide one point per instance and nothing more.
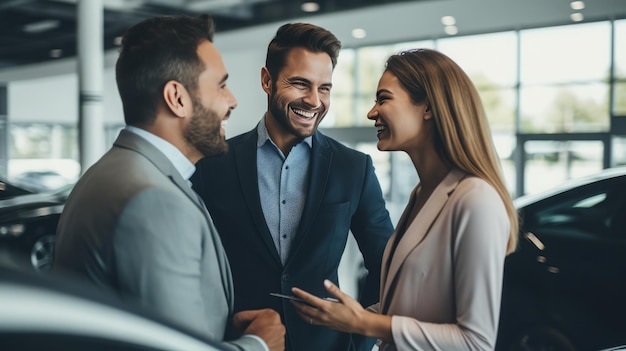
(344, 315)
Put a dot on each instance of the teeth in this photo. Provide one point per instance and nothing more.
(304, 113)
(380, 128)
(224, 123)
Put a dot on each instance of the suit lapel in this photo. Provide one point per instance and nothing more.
(245, 159)
(417, 230)
(131, 141)
(391, 243)
(321, 159)
(136, 143)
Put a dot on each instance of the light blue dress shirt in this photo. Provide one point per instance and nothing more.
(283, 183)
(178, 159)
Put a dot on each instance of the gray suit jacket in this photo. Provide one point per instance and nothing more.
(443, 283)
(133, 224)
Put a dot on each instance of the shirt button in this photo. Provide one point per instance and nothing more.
(286, 167)
(284, 202)
(284, 236)
(285, 277)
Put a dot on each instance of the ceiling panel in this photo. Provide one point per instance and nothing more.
(33, 31)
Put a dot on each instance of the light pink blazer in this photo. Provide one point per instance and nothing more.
(443, 284)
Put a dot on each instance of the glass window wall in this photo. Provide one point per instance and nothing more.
(564, 75)
(549, 162)
(565, 108)
(619, 151)
(490, 60)
(534, 83)
(619, 91)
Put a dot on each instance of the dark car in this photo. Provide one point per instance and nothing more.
(564, 286)
(8, 190)
(28, 225)
(49, 312)
(41, 181)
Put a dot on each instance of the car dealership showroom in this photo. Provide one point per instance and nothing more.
(551, 75)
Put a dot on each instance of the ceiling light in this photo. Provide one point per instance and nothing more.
(359, 33)
(577, 5)
(451, 30)
(576, 17)
(56, 53)
(41, 26)
(448, 20)
(310, 7)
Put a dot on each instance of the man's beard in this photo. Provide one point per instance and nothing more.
(203, 131)
(281, 116)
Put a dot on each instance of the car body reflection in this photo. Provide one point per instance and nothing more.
(49, 312)
(563, 287)
(28, 224)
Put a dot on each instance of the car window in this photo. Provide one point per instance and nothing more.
(594, 210)
(8, 191)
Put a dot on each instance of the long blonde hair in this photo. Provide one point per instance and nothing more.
(463, 136)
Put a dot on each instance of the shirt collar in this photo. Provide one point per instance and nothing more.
(264, 135)
(182, 164)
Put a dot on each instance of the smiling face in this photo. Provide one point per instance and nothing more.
(212, 103)
(401, 124)
(299, 97)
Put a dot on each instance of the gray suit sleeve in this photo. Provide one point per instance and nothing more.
(159, 247)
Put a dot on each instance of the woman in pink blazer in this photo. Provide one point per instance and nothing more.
(442, 269)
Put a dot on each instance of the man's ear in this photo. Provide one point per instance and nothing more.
(176, 98)
(266, 80)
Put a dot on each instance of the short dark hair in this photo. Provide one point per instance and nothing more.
(155, 51)
(291, 35)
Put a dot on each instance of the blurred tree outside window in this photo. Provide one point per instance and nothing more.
(490, 60)
(619, 92)
(45, 150)
(40, 140)
(564, 90)
(42, 156)
(565, 108)
(341, 112)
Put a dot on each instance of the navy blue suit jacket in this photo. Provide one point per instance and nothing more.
(343, 194)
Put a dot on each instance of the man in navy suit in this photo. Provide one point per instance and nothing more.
(285, 196)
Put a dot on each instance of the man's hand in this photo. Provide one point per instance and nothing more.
(263, 323)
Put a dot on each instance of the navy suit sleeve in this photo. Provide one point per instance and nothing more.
(371, 227)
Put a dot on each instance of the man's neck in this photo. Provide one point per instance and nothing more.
(282, 138)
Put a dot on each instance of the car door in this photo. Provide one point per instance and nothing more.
(581, 269)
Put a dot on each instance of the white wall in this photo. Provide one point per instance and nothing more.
(244, 80)
(44, 100)
(55, 99)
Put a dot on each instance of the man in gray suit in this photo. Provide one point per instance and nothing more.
(132, 223)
